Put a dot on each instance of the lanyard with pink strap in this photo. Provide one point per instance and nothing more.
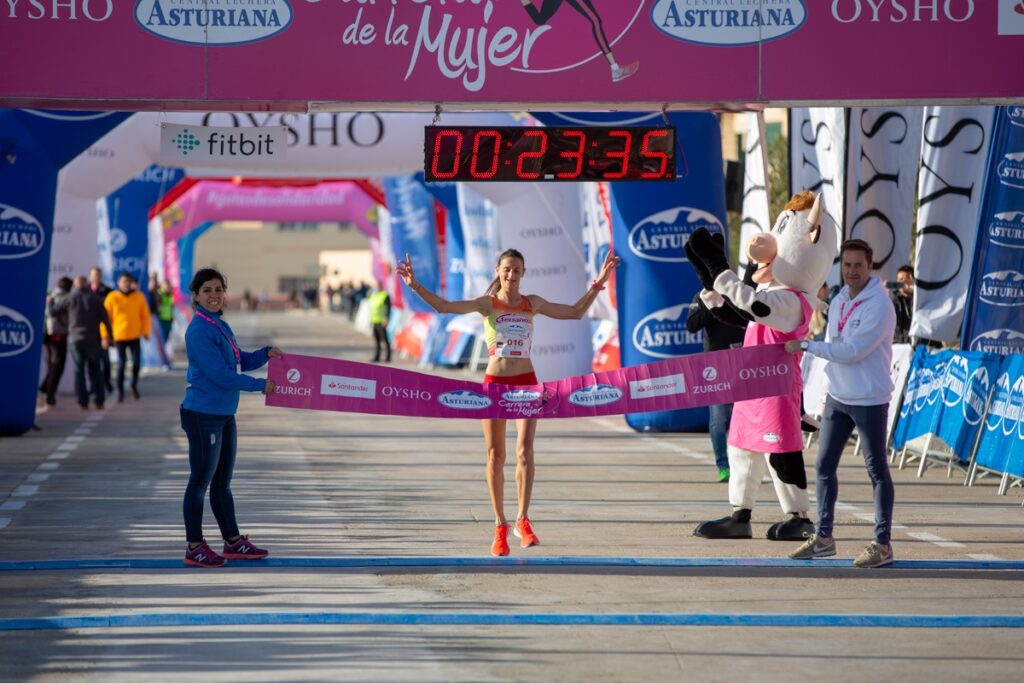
(844, 317)
(234, 346)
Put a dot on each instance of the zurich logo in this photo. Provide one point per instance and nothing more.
(293, 375)
(16, 333)
(464, 400)
(1002, 341)
(521, 396)
(707, 22)
(1002, 288)
(975, 397)
(663, 334)
(709, 374)
(1007, 229)
(956, 381)
(1011, 170)
(21, 234)
(596, 395)
(118, 240)
(662, 236)
(214, 22)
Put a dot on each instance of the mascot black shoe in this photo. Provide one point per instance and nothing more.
(737, 525)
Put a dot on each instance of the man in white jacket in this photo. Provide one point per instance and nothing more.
(858, 348)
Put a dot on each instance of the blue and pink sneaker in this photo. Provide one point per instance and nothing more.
(242, 549)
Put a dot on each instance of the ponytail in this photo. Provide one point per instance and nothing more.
(495, 285)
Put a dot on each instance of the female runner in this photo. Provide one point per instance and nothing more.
(508, 328)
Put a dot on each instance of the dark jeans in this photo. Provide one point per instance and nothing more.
(86, 356)
(123, 349)
(380, 338)
(212, 444)
(165, 329)
(56, 358)
(718, 428)
(836, 427)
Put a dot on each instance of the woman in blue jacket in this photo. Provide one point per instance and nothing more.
(215, 367)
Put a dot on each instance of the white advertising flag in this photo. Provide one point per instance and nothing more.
(954, 151)
(755, 217)
(885, 148)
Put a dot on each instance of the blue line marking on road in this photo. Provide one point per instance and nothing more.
(369, 562)
(185, 620)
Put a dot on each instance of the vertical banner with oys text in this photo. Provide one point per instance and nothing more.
(994, 316)
(35, 144)
(651, 223)
(755, 216)
(884, 148)
(413, 232)
(954, 150)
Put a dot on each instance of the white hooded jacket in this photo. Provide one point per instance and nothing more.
(860, 357)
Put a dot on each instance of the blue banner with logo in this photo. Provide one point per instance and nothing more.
(994, 314)
(454, 241)
(655, 284)
(1002, 441)
(34, 145)
(922, 399)
(968, 382)
(413, 232)
(128, 213)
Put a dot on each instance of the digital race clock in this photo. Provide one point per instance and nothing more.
(583, 153)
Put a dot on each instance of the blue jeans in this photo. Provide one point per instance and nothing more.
(836, 427)
(212, 444)
(718, 428)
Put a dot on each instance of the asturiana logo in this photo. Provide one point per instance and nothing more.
(1016, 114)
(1002, 288)
(21, 235)
(1014, 407)
(1011, 170)
(1007, 229)
(1002, 341)
(975, 397)
(662, 236)
(596, 395)
(956, 381)
(16, 333)
(663, 334)
(521, 396)
(997, 406)
(213, 22)
(464, 400)
(725, 22)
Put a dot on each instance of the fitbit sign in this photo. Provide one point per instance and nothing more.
(211, 146)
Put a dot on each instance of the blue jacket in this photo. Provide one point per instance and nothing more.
(213, 379)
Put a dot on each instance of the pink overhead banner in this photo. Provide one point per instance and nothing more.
(304, 55)
(703, 379)
(213, 200)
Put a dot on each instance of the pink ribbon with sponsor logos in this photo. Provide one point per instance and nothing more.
(702, 379)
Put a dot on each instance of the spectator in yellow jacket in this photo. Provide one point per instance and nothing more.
(130, 320)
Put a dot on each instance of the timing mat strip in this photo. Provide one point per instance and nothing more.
(191, 619)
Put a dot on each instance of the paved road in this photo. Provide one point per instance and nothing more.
(380, 529)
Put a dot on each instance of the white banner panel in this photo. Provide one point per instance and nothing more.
(954, 151)
(544, 224)
(884, 150)
(817, 161)
(597, 242)
(755, 215)
(480, 234)
(221, 147)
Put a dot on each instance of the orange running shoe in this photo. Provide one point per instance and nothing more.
(500, 546)
(524, 531)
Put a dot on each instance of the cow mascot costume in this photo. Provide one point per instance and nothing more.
(787, 267)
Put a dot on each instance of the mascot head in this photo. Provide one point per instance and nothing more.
(800, 249)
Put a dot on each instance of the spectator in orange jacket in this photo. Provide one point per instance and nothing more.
(130, 319)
